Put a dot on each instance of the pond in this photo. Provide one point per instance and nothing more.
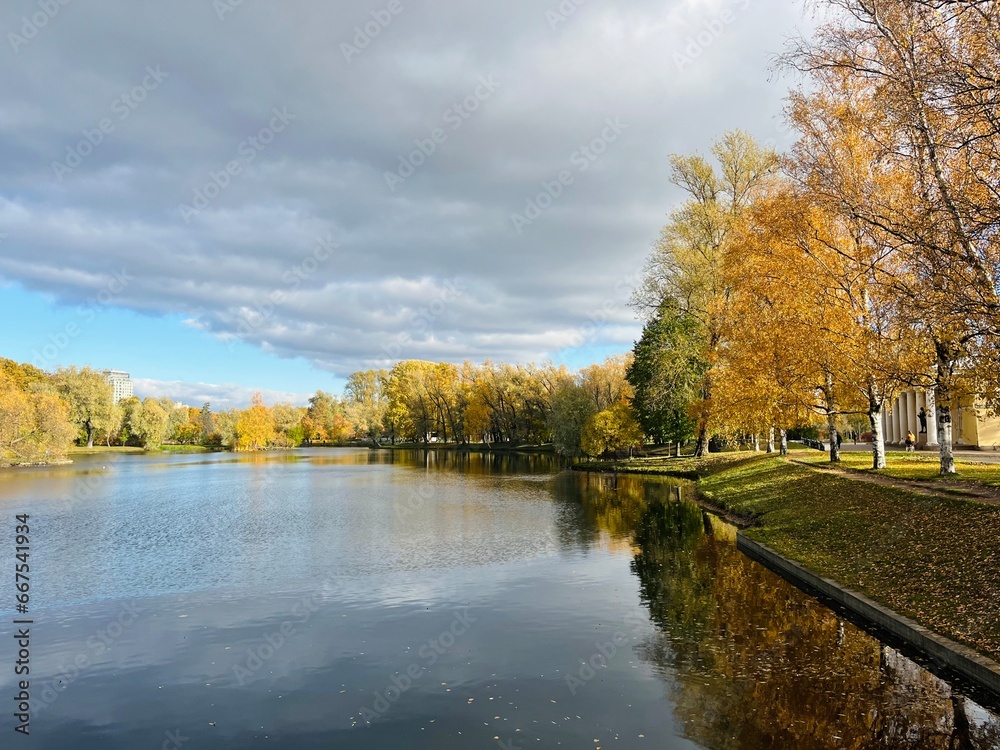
(366, 599)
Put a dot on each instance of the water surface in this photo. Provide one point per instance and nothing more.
(360, 599)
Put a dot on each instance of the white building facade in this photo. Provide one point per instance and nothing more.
(121, 383)
(914, 410)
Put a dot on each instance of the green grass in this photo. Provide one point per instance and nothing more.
(84, 451)
(685, 467)
(931, 558)
(912, 466)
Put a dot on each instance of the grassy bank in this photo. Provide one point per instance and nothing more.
(84, 451)
(471, 447)
(933, 559)
(684, 467)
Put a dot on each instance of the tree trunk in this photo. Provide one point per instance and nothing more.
(770, 440)
(878, 438)
(942, 398)
(90, 434)
(701, 446)
(784, 442)
(831, 421)
(961, 733)
(756, 442)
(829, 392)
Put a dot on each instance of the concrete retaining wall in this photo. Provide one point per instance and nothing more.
(978, 669)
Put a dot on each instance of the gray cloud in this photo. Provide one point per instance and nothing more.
(388, 287)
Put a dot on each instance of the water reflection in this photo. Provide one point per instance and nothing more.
(217, 552)
(750, 661)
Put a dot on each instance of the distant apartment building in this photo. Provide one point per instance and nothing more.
(121, 382)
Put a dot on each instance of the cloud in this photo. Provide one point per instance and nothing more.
(220, 396)
(296, 242)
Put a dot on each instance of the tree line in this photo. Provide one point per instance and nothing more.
(43, 414)
(497, 403)
(493, 404)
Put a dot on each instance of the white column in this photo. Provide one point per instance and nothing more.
(911, 412)
(931, 418)
(902, 417)
(901, 420)
(897, 413)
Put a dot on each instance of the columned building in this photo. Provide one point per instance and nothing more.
(915, 410)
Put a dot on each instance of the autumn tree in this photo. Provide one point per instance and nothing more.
(366, 402)
(916, 81)
(22, 376)
(225, 425)
(255, 427)
(572, 407)
(686, 261)
(148, 423)
(812, 321)
(607, 383)
(612, 431)
(34, 425)
(90, 399)
(289, 432)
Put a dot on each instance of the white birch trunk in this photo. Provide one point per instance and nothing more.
(878, 436)
(942, 398)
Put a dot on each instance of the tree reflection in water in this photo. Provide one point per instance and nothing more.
(752, 662)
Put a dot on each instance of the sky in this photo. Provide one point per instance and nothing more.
(222, 196)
